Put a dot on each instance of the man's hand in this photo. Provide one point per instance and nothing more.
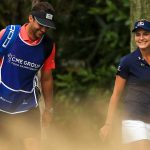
(47, 117)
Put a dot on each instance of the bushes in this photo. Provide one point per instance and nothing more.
(91, 37)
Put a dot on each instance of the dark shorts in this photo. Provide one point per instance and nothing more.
(20, 126)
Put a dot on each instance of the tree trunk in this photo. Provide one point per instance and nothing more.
(139, 9)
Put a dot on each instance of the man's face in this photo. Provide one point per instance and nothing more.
(37, 30)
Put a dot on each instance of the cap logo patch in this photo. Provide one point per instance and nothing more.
(49, 16)
(141, 23)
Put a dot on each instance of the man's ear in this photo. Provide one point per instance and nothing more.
(31, 18)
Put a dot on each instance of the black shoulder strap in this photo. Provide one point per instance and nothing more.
(48, 45)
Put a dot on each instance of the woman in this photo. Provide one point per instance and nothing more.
(133, 78)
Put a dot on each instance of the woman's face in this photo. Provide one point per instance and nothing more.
(142, 38)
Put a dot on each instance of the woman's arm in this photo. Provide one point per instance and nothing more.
(118, 89)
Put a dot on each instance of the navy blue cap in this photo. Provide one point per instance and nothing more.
(143, 24)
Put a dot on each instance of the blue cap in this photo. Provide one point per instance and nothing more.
(143, 24)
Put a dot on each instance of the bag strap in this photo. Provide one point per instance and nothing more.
(8, 38)
(48, 46)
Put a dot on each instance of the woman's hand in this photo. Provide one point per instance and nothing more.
(105, 132)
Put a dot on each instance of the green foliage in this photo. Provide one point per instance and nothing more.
(91, 37)
(14, 12)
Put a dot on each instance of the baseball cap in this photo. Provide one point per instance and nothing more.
(44, 18)
(43, 12)
(143, 24)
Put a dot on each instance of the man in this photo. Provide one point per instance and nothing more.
(31, 51)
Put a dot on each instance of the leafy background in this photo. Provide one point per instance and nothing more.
(91, 37)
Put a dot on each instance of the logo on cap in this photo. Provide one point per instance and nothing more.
(49, 16)
(141, 23)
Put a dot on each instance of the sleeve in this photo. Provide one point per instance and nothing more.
(50, 61)
(1, 34)
(123, 68)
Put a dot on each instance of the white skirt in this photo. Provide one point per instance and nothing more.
(135, 130)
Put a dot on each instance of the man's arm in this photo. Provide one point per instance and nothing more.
(47, 91)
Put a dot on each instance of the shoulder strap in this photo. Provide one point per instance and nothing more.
(8, 38)
(48, 46)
